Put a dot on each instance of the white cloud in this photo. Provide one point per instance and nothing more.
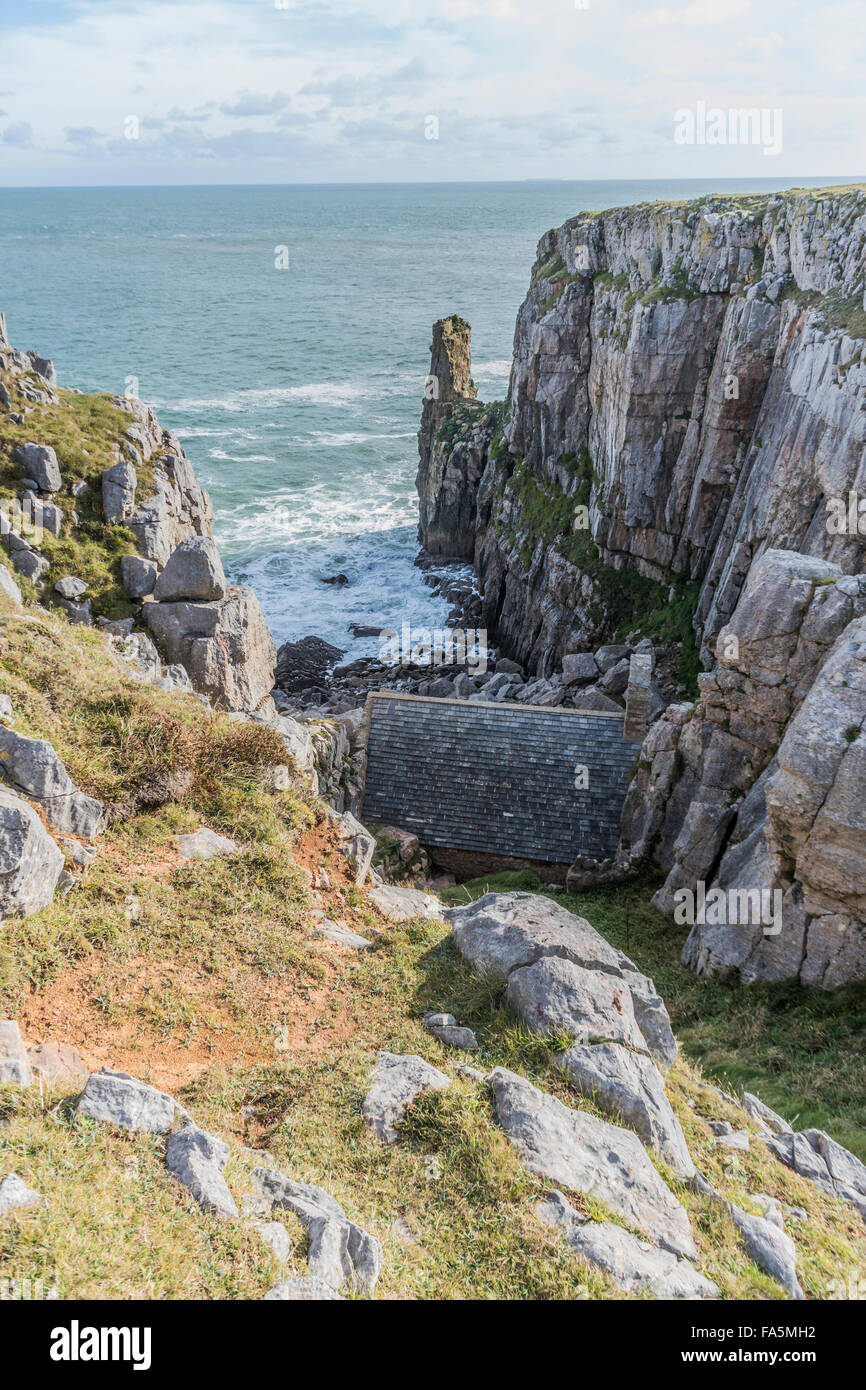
(340, 89)
(255, 104)
(699, 15)
(20, 133)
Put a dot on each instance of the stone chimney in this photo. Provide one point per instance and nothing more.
(637, 697)
(4, 341)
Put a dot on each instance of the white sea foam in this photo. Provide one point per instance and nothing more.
(325, 393)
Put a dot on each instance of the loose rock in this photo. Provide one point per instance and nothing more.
(204, 844)
(275, 1235)
(342, 1254)
(446, 1029)
(402, 904)
(30, 862)
(398, 1081)
(14, 1067)
(342, 936)
(589, 1155)
(16, 1195)
(115, 1098)
(634, 1265)
(772, 1250)
(39, 462)
(197, 1159)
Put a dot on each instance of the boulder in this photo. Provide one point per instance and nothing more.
(30, 563)
(204, 844)
(30, 862)
(118, 492)
(302, 1290)
(14, 1066)
(32, 767)
(629, 1086)
(197, 1160)
(306, 1200)
(50, 517)
(402, 904)
(610, 656)
(71, 588)
(139, 575)
(16, 1195)
(635, 1266)
(579, 669)
(397, 1081)
(342, 1254)
(579, 1151)
(39, 462)
(615, 679)
(772, 1250)
(80, 613)
(554, 995)
(225, 646)
(503, 930)
(194, 572)
(115, 1098)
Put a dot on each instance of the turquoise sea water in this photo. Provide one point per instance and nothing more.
(296, 392)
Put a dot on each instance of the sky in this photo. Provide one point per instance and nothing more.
(115, 92)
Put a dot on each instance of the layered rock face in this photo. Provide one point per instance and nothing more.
(694, 375)
(750, 790)
(177, 509)
(448, 476)
(685, 432)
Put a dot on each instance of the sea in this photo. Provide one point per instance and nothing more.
(283, 332)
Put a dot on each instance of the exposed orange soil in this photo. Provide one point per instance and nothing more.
(101, 1004)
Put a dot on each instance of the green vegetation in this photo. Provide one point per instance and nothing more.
(626, 601)
(117, 1225)
(799, 1049)
(837, 310)
(207, 978)
(83, 430)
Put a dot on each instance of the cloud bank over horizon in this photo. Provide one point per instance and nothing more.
(274, 91)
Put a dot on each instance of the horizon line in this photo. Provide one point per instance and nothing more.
(824, 180)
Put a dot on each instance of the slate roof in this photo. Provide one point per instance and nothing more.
(497, 778)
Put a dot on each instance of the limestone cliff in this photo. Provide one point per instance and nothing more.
(691, 373)
(682, 452)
